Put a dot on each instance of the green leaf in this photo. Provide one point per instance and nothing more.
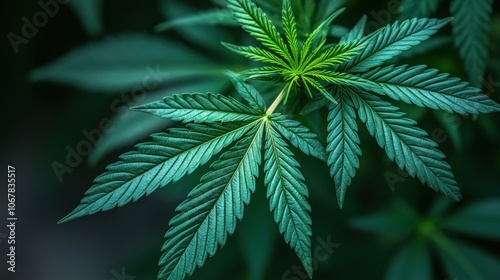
(287, 194)
(89, 12)
(128, 127)
(300, 136)
(463, 261)
(247, 91)
(256, 23)
(318, 101)
(256, 54)
(257, 238)
(290, 28)
(392, 40)
(317, 38)
(154, 164)
(413, 262)
(479, 219)
(426, 87)
(356, 33)
(471, 30)
(200, 108)
(210, 17)
(405, 144)
(417, 8)
(394, 223)
(343, 144)
(212, 208)
(120, 62)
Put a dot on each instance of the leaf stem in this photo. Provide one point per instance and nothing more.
(278, 100)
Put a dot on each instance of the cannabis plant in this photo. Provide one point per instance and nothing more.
(348, 78)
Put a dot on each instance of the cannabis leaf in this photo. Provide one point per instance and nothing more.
(343, 143)
(287, 194)
(300, 65)
(350, 78)
(406, 144)
(213, 208)
(471, 28)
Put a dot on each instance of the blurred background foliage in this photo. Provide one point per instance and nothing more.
(91, 60)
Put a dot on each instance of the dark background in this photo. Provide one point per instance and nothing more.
(40, 120)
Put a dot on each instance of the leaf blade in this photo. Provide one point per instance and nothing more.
(200, 108)
(199, 229)
(426, 87)
(405, 144)
(167, 158)
(287, 196)
(343, 144)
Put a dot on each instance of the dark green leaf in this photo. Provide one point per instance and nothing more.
(343, 144)
(471, 30)
(392, 40)
(247, 91)
(120, 62)
(167, 158)
(428, 88)
(479, 219)
(287, 195)
(300, 136)
(200, 108)
(212, 209)
(413, 262)
(405, 144)
(211, 17)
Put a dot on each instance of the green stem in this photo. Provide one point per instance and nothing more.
(277, 101)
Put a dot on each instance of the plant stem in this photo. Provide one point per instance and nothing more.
(277, 101)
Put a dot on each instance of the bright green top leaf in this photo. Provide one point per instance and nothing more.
(166, 159)
(257, 24)
(212, 208)
(287, 195)
(200, 108)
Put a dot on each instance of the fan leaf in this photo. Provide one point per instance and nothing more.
(154, 164)
(392, 40)
(212, 208)
(200, 107)
(300, 136)
(426, 87)
(471, 29)
(405, 144)
(287, 195)
(343, 144)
